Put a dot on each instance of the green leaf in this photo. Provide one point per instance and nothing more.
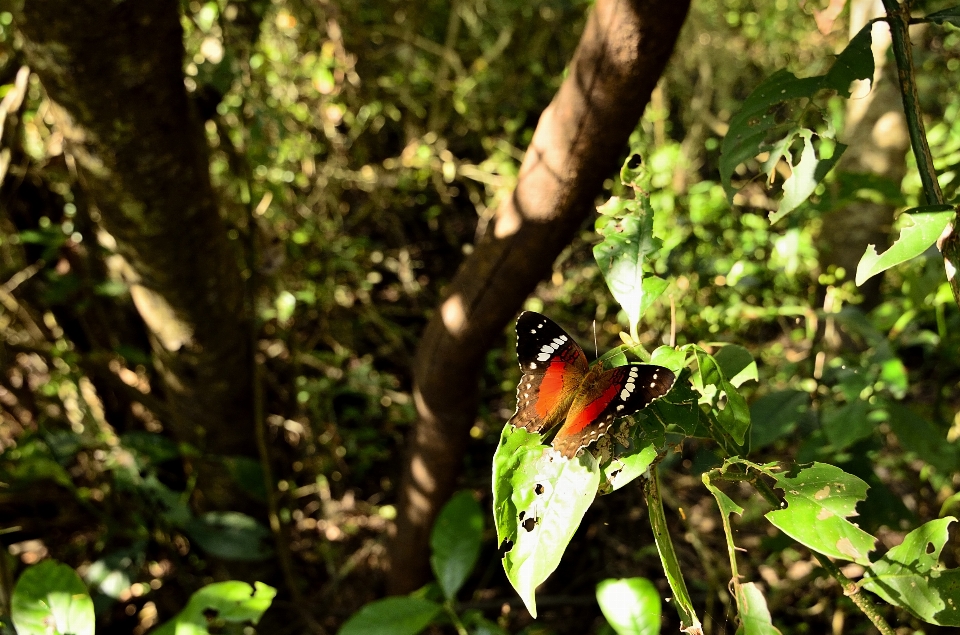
(392, 616)
(848, 424)
(737, 363)
(805, 175)
(733, 414)
(924, 438)
(548, 497)
(230, 535)
(51, 599)
(819, 499)
(631, 605)
(910, 576)
(761, 115)
(776, 415)
(627, 230)
(951, 15)
(627, 468)
(669, 357)
(653, 288)
(230, 601)
(854, 63)
(455, 542)
(753, 611)
(920, 228)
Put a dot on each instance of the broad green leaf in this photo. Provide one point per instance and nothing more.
(455, 542)
(922, 437)
(776, 415)
(628, 241)
(854, 63)
(805, 175)
(518, 451)
(631, 605)
(627, 468)
(551, 495)
(230, 601)
(911, 576)
(669, 357)
(728, 404)
(848, 424)
(746, 137)
(392, 616)
(760, 118)
(753, 611)
(819, 499)
(737, 364)
(653, 288)
(230, 535)
(951, 15)
(51, 599)
(919, 229)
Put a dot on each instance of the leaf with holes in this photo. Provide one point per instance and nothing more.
(230, 601)
(550, 496)
(912, 577)
(819, 499)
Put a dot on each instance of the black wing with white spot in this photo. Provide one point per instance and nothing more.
(553, 366)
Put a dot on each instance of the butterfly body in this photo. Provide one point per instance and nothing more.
(559, 386)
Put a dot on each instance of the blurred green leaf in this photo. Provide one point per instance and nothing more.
(51, 599)
(776, 415)
(753, 612)
(455, 542)
(631, 605)
(848, 424)
(231, 601)
(392, 616)
(230, 535)
(737, 363)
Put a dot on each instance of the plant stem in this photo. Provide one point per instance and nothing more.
(689, 623)
(898, 17)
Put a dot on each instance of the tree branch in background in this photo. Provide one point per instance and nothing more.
(115, 72)
(577, 144)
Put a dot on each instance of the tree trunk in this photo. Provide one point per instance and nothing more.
(624, 48)
(115, 70)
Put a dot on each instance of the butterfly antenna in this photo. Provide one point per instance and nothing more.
(596, 348)
(673, 322)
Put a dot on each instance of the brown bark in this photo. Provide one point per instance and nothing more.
(624, 48)
(115, 72)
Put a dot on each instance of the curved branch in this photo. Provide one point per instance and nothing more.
(582, 133)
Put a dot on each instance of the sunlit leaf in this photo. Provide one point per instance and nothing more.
(627, 468)
(819, 499)
(918, 231)
(631, 605)
(912, 577)
(51, 599)
(753, 612)
(549, 496)
(230, 601)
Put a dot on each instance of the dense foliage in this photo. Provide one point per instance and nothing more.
(359, 151)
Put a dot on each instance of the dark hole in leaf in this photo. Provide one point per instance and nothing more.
(635, 162)
(522, 514)
(529, 524)
(538, 489)
(210, 614)
(930, 549)
(614, 473)
(505, 548)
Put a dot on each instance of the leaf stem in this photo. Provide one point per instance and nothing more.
(689, 623)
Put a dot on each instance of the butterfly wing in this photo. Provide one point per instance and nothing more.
(553, 366)
(614, 393)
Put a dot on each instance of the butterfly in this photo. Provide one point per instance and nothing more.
(558, 385)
